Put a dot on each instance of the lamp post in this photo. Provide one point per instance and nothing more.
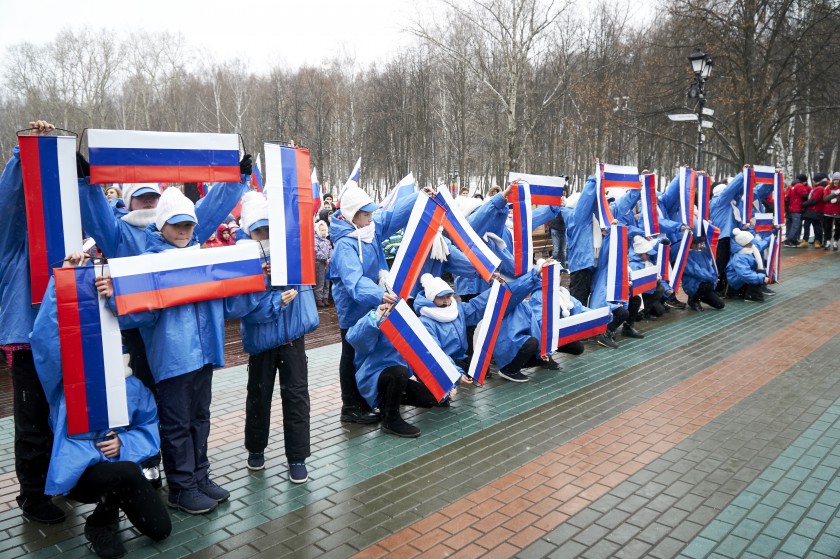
(701, 65)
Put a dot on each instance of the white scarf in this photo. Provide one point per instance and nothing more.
(439, 250)
(363, 235)
(566, 305)
(735, 211)
(140, 218)
(597, 238)
(756, 254)
(495, 239)
(441, 314)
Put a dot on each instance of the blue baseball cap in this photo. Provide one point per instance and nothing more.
(180, 218)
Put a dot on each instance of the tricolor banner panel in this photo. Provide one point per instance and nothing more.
(423, 224)
(53, 217)
(91, 354)
(778, 196)
(550, 308)
(649, 214)
(704, 191)
(488, 331)
(256, 176)
(663, 260)
(612, 176)
(679, 264)
(139, 156)
(176, 277)
(763, 222)
(772, 257)
(405, 187)
(523, 246)
(290, 224)
(746, 204)
(545, 190)
(316, 192)
(464, 236)
(644, 279)
(618, 281)
(583, 325)
(712, 234)
(688, 193)
(424, 357)
(356, 172)
(764, 174)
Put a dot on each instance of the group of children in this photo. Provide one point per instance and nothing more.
(813, 208)
(171, 353)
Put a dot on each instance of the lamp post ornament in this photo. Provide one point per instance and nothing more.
(701, 65)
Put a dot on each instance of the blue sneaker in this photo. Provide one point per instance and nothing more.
(298, 473)
(213, 490)
(256, 461)
(191, 501)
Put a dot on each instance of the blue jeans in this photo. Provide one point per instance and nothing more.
(795, 226)
(558, 241)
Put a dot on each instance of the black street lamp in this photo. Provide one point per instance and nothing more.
(701, 65)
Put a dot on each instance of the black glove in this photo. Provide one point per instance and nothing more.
(246, 166)
(82, 165)
(664, 241)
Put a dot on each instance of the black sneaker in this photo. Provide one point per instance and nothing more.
(695, 305)
(516, 376)
(191, 501)
(551, 365)
(767, 291)
(213, 490)
(43, 511)
(298, 473)
(103, 542)
(674, 303)
(753, 298)
(630, 332)
(606, 340)
(355, 414)
(256, 461)
(399, 427)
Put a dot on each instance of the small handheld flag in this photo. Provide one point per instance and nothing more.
(688, 193)
(663, 260)
(138, 156)
(523, 247)
(171, 278)
(424, 357)
(53, 216)
(773, 258)
(464, 236)
(618, 283)
(649, 206)
(704, 191)
(423, 224)
(316, 192)
(91, 354)
(747, 195)
(583, 325)
(290, 223)
(644, 279)
(256, 176)
(550, 308)
(545, 190)
(406, 186)
(778, 197)
(712, 236)
(488, 332)
(764, 174)
(679, 264)
(763, 222)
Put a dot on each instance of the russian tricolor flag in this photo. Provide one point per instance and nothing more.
(256, 176)
(583, 325)
(290, 223)
(488, 332)
(679, 264)
(712, 236)
(663, 260)
(545, 190)
(649, 206)
(176, 277)
(747, 195)
(550, 308)
(644, 279)
(356, 172)
(138, 156)
(423, 224)
(688, 193)
(405, 187)
(773, 258)
(618, 282)
(53, 217)
(91, 354)
(763, 222)
(523, 248)
(424, 357)
(778, 199)
(316, 192)
(464, 236)
(704, 192)
(764, 174)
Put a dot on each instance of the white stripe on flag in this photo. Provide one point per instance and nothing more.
(427, 341)
(71, 215)
(113, 361)
(541, 180)
(180, 259)
(140, 139)
(411, 229)
(276, 213)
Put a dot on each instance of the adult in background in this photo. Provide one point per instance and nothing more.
(798, 194)
(831, 212)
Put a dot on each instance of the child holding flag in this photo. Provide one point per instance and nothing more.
(745, 271)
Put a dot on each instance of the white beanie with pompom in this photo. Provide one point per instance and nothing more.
(434, 287)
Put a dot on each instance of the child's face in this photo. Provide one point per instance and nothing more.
(146, 201)
(644, 256)
(178, 234)
(443, 300)
(260, 234)
(362, 219)
(226, 234)
(111, 193)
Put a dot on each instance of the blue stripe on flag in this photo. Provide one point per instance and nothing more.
(163, 157)
(53, 218)
(584, 326)
(152, 281)
(620, 177)
(414, 243)
(419, 348)
(91, 330)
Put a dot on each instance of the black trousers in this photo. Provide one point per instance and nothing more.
(33, 436)
(724, 253)
(620, 316)
(139, 364)
(523, 356)
(184, 415)
(574, 348)
(831, 224)
(350, 395)
(121, 485)
(580, 284)
(706, 294)
(396, 387)
(817, 225)
(289, 361)
(653, 301)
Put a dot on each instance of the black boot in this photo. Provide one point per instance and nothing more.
(694, 304)
(393, 424)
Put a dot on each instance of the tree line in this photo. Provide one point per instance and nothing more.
(477, 89)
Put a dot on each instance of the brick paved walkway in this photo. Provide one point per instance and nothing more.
(716, 435)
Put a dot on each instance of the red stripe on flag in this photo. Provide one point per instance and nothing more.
(506, 295)
(156, 173)
(414, 361)
(416, 265)
(307, 228)
(174, 296)
(594, 331)
(30, 161)
(72, 360)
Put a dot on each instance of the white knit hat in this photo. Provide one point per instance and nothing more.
(254, 211)
(742, 237)
(173, 208)
(434, 287)
(467, 205)
(641, 245)
(718, 189)
(138, 189)
(355, 200)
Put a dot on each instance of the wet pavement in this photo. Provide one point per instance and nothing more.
(718, 435)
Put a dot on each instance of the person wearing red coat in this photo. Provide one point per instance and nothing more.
(831, 211)
(812, 208)
(798, 194)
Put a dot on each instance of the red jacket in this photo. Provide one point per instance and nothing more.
(832, 208)
(798, 194)
(817, 193)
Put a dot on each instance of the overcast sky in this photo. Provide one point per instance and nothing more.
(306, 32)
